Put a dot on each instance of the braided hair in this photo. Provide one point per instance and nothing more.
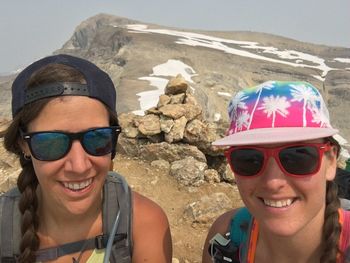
(27, 181)
(331, 227)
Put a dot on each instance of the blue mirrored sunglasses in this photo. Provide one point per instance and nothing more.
(54, 145)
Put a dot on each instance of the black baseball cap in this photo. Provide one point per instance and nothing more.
(98, 84)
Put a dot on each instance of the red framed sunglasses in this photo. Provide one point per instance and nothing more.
(297, 160)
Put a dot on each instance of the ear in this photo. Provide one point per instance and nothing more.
(24, 146)
(331, 163)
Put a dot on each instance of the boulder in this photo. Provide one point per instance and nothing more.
(195, 131)
(211, 176)
(177, 99)
(161, 165)
(174, 111)
(153, 110)
(209, 207)
(128, 146)
(176, 133)
(149, 125)
(127, 123)
(188, 172)
(163, 100)
(192, 111)
(190, 99)
(228, 175)
(170, 152)
(166, 123)
(176, 85)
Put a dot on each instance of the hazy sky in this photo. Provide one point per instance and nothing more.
(35, 28)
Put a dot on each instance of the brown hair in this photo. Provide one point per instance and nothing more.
(27, 181)
(331, 227)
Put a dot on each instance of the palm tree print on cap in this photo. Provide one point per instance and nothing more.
(277, 104)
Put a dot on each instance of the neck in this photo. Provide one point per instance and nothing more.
(58, 226)
(305, 246)
(298, 250)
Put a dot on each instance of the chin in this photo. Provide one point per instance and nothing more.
(81, 207)
(280, 229)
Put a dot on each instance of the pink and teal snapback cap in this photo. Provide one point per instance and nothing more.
(277, 112)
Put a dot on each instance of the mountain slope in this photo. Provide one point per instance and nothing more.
(141, 58)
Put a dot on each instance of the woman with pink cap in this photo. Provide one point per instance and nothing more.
(282, 153)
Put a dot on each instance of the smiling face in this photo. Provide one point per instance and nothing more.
(72, 184)
(284, 205)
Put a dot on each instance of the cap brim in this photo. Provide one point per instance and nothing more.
(275, 135)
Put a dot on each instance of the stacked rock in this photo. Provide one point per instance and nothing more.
(175, 131)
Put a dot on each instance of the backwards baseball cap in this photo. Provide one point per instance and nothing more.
(277, 112)
(98, 84)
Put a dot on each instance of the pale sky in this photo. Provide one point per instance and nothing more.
(35, 28)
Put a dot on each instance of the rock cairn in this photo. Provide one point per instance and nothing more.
(174, 135)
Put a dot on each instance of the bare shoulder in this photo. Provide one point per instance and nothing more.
(147, 208)
(220, 225)
(151, 231)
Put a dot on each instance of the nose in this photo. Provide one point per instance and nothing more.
(77, 160)
(273, 177)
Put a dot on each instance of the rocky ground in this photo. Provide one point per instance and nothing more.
(188, 234)
(190, 210)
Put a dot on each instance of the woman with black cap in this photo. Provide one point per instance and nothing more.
(67, 205)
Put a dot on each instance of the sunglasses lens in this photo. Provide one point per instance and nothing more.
(246, 162)
(49, 146)
(99, 141)
(300, 160)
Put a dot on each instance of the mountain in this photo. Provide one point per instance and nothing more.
(142, 57)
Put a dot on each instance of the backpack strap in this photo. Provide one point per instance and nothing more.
(344, 218)
(118, 197)
(230, 249)
(222, 250)
(9, 226)
(239, 228)
(240, 232)
(98, 242)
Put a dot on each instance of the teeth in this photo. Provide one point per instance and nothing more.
(77, 186)
(279, 203)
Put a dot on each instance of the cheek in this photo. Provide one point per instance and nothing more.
(55, 169)
(330, 169)
(45, 170)
(313, 187)
(102, 163)
(245, 185)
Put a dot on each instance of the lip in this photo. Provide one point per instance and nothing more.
(278, 203)
(70, 187)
